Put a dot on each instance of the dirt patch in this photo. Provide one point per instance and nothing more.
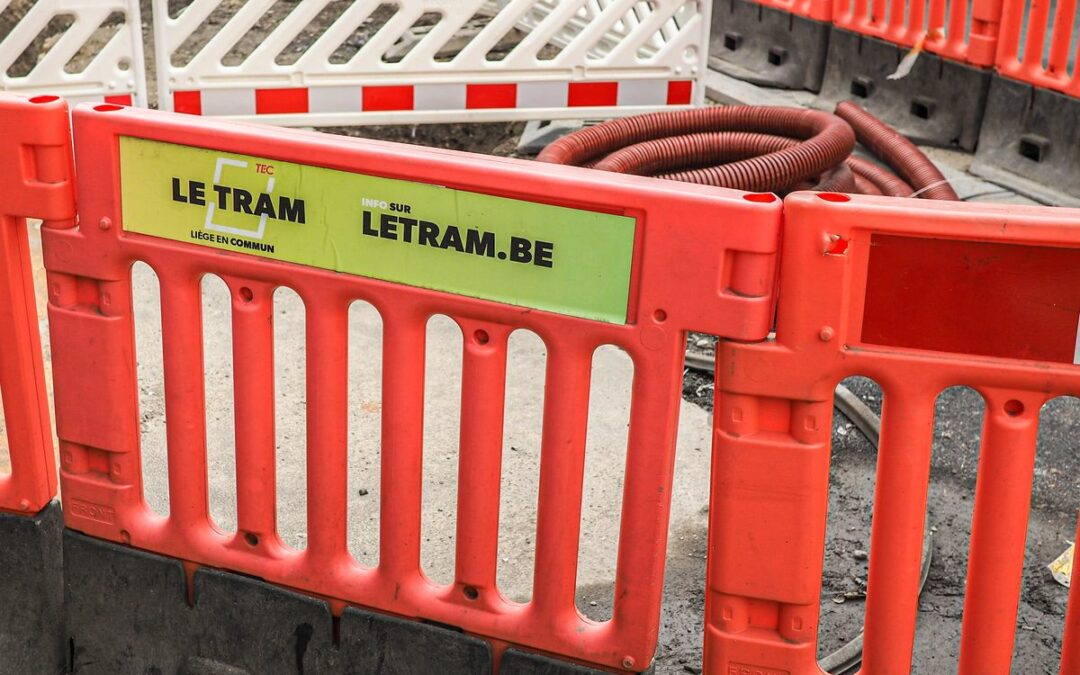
(498, 138)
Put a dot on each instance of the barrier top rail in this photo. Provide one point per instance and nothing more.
(1035, 45)
(495, 244)
(919, 296)
(426, 61)
(962, 31)
(36, 181)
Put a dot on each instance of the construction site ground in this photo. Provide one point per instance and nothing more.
(1055, 500)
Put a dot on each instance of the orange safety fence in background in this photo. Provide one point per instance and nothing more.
(814, 9)
(35, 182)
(918, 296)
(1037, 45)
(963, 31)
(581, 258)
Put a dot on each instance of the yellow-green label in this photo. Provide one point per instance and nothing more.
(563, 260)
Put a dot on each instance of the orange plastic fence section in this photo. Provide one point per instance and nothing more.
(703, 259)
(1035, 44)
(855, 299)
(962, 31)
(813, 9)
(35, 182)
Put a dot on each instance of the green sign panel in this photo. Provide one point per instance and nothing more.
(522, 253)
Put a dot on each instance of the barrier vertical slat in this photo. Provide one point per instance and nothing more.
(986, 21)
(651, 387)
(327, 372)
(185, 401)
(950, 17)
(1012, 22)
(25, 415)
(1060, 40)
(36, 181)
(896, 537)
(253, 384)
(562, 469)
(1070, 641)
(1036, 35)
(956, 20)
(402, 442)
(913, 23)
(483, 392)
(998, 532)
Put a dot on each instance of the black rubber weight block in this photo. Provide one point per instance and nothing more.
(938, 103)
(32, 593)
(375, 643)
(515, 662)
(128, 613)
(1028, 142)
(767, 46)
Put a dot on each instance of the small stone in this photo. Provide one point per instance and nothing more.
(702, 343)
(362, 492)
(592, 603)
(839, 599)
(859, 554)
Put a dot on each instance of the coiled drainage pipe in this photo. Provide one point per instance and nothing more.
(758, 149)
(897, 151)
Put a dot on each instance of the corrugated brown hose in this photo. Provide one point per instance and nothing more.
(758, 149)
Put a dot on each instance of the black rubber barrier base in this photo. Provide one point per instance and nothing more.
(32, 594)
(938, 103)
(767, 46)
(516, 662)
(127, 612)
(1028, 142)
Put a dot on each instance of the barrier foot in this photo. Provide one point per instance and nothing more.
(1028, 142)
(32, 593)
(515, 662)
(767, 46)
(128, 612)
(940, 102)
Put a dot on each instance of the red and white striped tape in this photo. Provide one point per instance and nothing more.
(433, 97)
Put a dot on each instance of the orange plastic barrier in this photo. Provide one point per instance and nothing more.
(1035, 45)
(192, 198)
(962, 31)
(814, 9)
(35, 182)
(919, 296)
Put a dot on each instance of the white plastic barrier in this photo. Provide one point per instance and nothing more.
(329, 62)
(620, 30)
(83, 50)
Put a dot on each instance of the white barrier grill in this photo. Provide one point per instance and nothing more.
(336, 62)
(83, 50)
